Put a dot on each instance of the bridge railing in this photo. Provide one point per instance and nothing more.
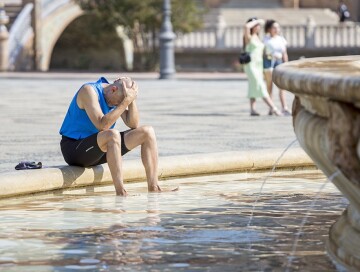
(20, 33)
(295, 35)
(347, 35)
(308, 36)
(205, 38)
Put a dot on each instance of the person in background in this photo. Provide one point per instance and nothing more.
(275, 54)
(254, 69)
(343, 12)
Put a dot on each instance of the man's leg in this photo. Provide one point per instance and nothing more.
(109, 141)
(145, 136)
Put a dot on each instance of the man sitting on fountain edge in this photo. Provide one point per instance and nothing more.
(89, 137)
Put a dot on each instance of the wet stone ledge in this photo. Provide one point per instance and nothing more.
(17, 183)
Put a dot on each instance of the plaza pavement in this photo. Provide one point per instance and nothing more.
(196, 113)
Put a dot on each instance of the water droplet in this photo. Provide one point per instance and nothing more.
(89, 261)
(73, 251)
(80, 267)
(179, 265)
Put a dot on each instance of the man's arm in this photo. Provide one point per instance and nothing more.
(88, 100)
(131, 116)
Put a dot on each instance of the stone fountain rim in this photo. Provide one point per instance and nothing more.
(317, 82)
(27, 182)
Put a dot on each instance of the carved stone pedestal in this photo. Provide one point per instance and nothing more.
(326, 118)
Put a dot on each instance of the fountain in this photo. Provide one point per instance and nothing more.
(326, 119)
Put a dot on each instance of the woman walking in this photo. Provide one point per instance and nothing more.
(275, 54)
(254, 69)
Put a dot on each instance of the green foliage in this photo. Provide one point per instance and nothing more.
(186, 14)
(142, 21)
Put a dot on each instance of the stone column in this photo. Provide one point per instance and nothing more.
(220, 31)
(167, 36)
(310, 33)
(128, 47)
(36, 24)
(4, 39)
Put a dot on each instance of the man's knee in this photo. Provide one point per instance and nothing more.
(149, 132)
(112, 136)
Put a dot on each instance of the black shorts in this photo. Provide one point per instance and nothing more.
(86, 152)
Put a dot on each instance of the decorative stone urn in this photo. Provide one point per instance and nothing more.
(326, 119)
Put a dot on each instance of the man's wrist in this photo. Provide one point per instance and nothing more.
(132, 103)
(125, 103)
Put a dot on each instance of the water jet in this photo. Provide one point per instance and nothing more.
(326, 119)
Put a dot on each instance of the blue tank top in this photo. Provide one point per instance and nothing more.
(77, 124)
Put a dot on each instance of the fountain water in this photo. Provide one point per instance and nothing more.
(191, 229)
(326, 119)
(305, 219)
(261, 189)
(263, 184)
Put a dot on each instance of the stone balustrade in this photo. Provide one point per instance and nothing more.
(307, 36)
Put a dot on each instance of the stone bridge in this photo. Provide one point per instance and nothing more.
(34, 28)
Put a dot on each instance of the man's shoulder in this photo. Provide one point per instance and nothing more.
(87, 93)
(85, 89)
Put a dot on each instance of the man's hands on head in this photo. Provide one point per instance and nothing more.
(87, 99)
(130, 90)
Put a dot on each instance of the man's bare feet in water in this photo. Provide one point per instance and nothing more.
(121, 192)
(157, 189)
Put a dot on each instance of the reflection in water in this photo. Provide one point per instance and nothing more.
(303, 222)
(201, 227)
(263, 184)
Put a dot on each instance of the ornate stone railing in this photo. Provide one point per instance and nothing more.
(307, 36)
(206, 38)
(296, 35)
(347, 35)
(20, 33)
(326, 118)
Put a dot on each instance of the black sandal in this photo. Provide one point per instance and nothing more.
(25, 165)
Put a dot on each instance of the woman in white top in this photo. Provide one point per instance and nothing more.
(275, 54)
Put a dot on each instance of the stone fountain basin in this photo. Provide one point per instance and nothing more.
(326, 118)
(335, 78)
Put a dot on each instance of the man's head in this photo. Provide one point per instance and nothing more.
(115, 92)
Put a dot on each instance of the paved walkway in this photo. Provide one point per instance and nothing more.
(197, 113)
